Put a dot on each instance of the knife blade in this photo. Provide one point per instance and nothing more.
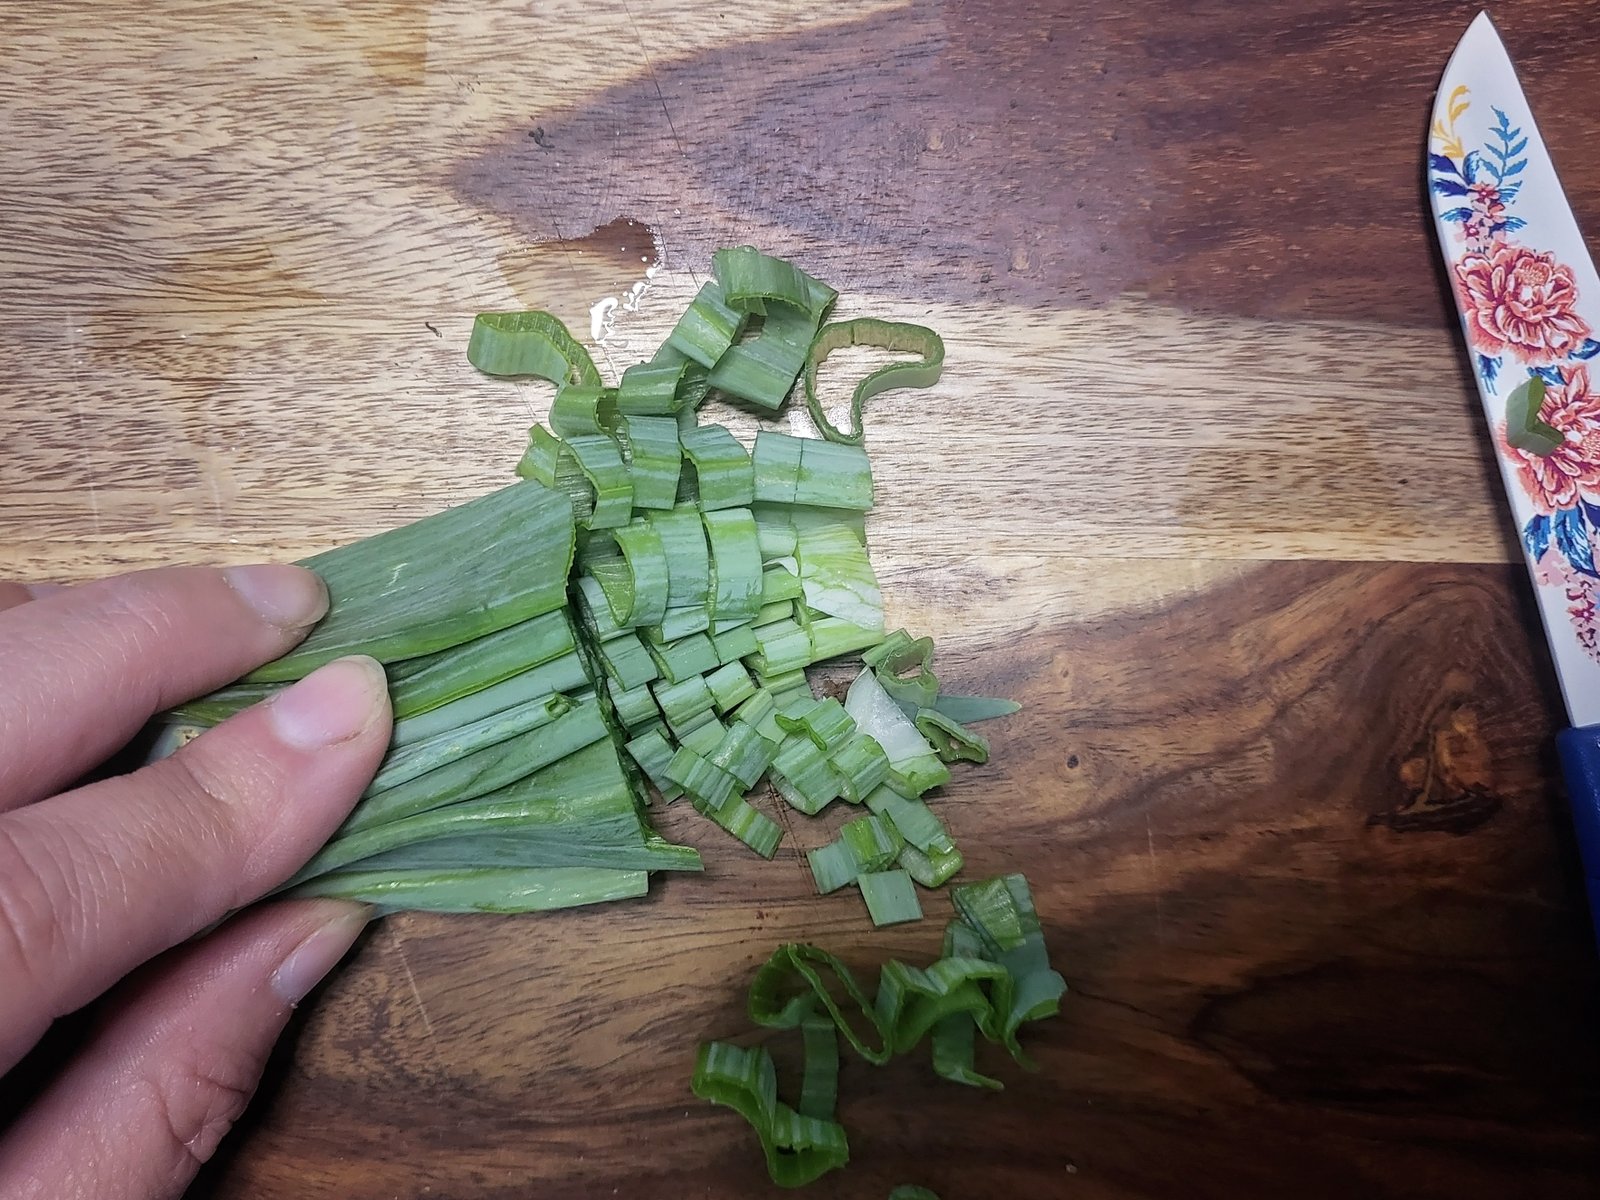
(1529, 300)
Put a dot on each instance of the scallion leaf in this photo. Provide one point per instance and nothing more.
(1524, 428)
(529, 343)
(394, 597)
(952, 741)
(968, 709)
(885, 335)
(891, 900)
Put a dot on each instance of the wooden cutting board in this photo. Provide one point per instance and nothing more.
(1204, 486)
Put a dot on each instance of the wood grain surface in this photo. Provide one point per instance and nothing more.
(1204, 486)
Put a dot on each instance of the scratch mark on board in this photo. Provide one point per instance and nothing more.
(422, 1007)
(1155, 877)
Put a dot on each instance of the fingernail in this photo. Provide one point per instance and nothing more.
(40, 590)
(332, 704)
(281, 595)
(309, 962)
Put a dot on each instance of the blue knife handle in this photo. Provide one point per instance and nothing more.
(1579, 750)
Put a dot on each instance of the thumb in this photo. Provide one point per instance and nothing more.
(178, 1057)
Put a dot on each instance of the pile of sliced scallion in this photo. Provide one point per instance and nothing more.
(639, 613)
(641, 609)
(993, 977)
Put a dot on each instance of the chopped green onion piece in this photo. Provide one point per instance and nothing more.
(564, 674)
(480, 890)
(798, 1148)
(787, 687)
(825, 722)
(633, 706)
(894, 659)
(748, 276)
(721, 467)
(784, 646)
(819, 1087)
(913, 819)
(833, 475)
(688, 561)
(782, 610)
(645, 556)
(874, 843)
(750, 825)
(992, 912)
(775, 462)
(692, 655)
(759, 709)
(653, 752)
(600, 458)
(736, 576)
(833, 636)
(952, 741)
(706, 739)
(954, 1043)
(595, 608)
(836, 576)
(743, 753)
(910, 1191)
(655, 459)
(583, 409)
(930, 868)
(885, 335)
(679, 623)
(529, 343)
(891, 900)
(707, 328)
(779, 584)
(832, 866)
(652, 389)
(588, 468)
(460, 574)
(627, 661)
(735, 643)
(914, 766)
(762, 368)
(1012, 936)
(803, 776)
(730, 686)
(686, 704)
(968, 709)
(863, 764)
(708, 786)
(789, 986)
(1524, 428)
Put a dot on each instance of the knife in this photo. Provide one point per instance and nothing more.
(1529, 301)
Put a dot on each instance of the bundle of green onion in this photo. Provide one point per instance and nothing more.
(641, 609)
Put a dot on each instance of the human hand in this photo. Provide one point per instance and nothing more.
(97, 880)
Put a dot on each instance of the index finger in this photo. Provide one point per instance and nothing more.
(85, 667)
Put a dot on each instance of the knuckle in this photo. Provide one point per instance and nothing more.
(212, 792)
(31, 933)
(194, 1100)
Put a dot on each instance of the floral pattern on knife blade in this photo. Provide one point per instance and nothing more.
(1519, 314)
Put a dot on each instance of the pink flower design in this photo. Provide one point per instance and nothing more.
(1485, 197)
(1520, 300)
(1583, 603)
(1553, 481)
